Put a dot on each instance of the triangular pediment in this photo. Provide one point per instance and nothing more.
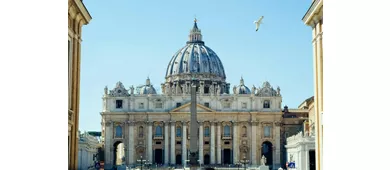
(187, 108)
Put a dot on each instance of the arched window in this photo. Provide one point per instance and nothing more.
(226, 130)
(158, 131)
(118, 131)
(141, 131)
(206, 131)
(243, 131)
(266, 104)
(178, 132)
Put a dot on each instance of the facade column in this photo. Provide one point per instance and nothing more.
(219, 145)
(166, 143)
(150, 139)
(107, 145)
(277, 143)
(130, 147)
(235, 143)
(212, 144)
(253, 143)
(173, 143)
(184, 144)
(200, 142)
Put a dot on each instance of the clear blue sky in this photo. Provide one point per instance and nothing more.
(129, 40)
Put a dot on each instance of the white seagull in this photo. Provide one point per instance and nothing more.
(258, 22)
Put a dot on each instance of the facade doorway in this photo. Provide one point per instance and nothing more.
(206, 159)
(266, 150)
(119, 153)
(227, 156)
(178, 159)
(158, 156)
(312, 160)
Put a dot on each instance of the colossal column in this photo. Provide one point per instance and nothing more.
(254, 145)
(131, 142)
(173, 143)
(184, 144)
(219, 145)
(150, 138)
(166, 143)
(200, 142)
(212, 143)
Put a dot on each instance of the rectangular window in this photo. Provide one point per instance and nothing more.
(267, 131)
(266, 104)
(227, 143)
(158, 142)
(243, 106)
(226, 105)
(178, 104)
(141, 106)
(207, 104)
(207, 142)
(178, 142)
(119, 104)
(159, 105)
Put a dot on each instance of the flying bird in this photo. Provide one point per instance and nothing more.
(258, 22)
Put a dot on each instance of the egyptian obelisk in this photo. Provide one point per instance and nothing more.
(194, 131)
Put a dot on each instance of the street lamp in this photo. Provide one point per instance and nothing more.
(200, 165)
(244, 161)
(142, 162)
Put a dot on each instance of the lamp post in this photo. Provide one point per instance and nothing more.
(200, 165)
(244, 161)
(142, 161)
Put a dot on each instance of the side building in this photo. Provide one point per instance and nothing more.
(89, 144)
(77, 17)
(314, 19)
(300, 146)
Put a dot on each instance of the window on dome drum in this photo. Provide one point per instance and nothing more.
(206, 131)
(226, 130)
(159, 105)
(243, 105)
(267, 131)
(118, 131)
(119, 104)
(266, 104)
(207, 104)
(158, 131)
(178, 132)
(178, 104)
(141, 106)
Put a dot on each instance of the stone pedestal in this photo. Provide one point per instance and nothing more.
(263, 167)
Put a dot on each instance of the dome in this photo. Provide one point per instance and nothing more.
(241, 89)
(147, 88)
(195, 59)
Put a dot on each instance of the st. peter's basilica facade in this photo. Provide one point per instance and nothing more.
(242, 124)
